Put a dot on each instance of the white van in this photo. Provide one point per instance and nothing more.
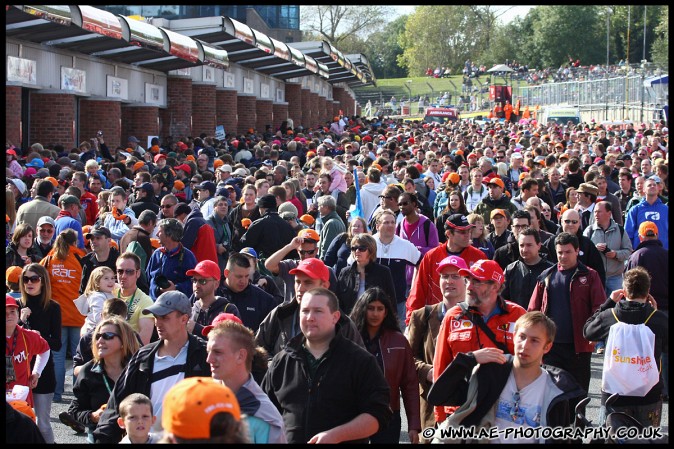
(561, 115)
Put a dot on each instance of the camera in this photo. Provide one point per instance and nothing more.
(99, 133)
(162, 281)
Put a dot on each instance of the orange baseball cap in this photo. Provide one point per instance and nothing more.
(307, 219)
(13, 274)
(497, 181)
(496, 212)
(190, 405)
(309, 234)
(648, 229)
(217, 163)
(178, 185)
(190, 157)
(53, 180)
(138, 165)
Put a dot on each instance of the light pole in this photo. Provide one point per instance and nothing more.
(609, 11)
(408, 84)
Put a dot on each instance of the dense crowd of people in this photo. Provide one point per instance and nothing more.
(292, 287)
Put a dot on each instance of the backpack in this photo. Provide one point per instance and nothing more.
(427, 228)
(630, 368)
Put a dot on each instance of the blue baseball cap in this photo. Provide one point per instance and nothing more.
(248, 251)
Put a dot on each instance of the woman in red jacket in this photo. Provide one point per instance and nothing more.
(375, 318)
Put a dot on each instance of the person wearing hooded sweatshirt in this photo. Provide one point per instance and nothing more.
(369, 193)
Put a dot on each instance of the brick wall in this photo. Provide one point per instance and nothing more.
(338, 95)
(313, 106)
(203, 109)
(178, 120)
(336, 106)
(226, 107)
(307, 115)
(359, 110)
(294, 99)
(140, 121)
(13, 114)
(265, 114)
(51, 119)
(247, 110)
(280, 114)
(105, 116)
(323, 110)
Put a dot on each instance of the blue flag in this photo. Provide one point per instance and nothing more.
(358, 211)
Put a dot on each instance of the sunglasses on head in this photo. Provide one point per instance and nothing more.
(105, 335)
(31, 279)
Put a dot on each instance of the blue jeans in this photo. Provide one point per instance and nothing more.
(613, 283)
(70, 337)
(402, 309)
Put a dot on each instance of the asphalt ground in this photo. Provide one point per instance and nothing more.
(65, 435)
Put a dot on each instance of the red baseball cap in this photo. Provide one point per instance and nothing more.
(314, 268)
(485, 270)
(219, 319)
(159, 156)
(10, 302)
(184, 167)
(207, 269)
(452, 261)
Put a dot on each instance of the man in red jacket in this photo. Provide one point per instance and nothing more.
(460, 330)
(569, 293)
(426, 287)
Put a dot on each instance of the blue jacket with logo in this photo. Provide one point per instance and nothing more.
(658, 213)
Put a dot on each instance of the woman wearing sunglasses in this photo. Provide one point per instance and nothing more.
(362, 273)
(113, 344)
(339, 250)
(41, 313)
(65, 274)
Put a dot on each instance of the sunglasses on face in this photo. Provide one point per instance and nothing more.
(31, 279)
(105, 335)
(307, 252)
(362, 249)
(570, 221)
(166, 206)
(200, 281)
(385, 197)
(46, 231)
(128, 272)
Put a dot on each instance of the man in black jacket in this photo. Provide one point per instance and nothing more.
(269, 233)
(508, 391)
(510, 252)
(102, 254)
(319, 367)
(157, 365)
(521, 275)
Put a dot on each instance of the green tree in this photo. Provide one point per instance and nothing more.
(440, 35)
(383, 48)
(660, 47)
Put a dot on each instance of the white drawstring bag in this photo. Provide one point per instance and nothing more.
(630, 368)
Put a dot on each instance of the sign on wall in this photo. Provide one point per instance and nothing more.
(21, 70)
(248, 86)
(117, 87)
(208, 74)
(73, 79)
(154, 94)
(264, 90)
(228, 80)
(279, 95)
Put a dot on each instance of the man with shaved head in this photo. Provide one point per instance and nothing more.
(588, 254)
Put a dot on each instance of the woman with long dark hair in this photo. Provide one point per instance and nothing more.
(455, 205)
(39, 312)
(375, 318)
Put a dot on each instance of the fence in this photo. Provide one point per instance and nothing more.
(611, 98)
